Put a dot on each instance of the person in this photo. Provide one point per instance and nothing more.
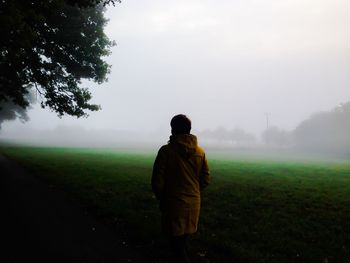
(180, 173)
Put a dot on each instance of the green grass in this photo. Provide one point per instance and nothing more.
(254, 210)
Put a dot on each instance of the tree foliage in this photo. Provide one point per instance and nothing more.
(276, 136)
(221, 134)
(50, 46)
(326, 130)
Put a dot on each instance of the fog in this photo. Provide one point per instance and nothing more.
(225, 64)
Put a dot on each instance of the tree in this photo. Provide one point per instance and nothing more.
(325, 130)
(234, 136)
(276, 136)
(240, 136)
(49, 47)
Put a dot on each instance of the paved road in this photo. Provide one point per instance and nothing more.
(41, 224)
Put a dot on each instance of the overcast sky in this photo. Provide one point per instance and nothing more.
(224, 63)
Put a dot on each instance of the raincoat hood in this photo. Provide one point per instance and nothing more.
(184, 144)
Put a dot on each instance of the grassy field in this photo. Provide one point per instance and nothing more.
(254, 210)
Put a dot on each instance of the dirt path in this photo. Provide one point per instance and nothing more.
(41, 224)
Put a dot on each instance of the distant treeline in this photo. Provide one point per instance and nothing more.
(234, 136)
(329, 131)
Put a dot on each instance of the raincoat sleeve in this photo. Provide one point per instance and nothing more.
(158, 174)
(205, 174)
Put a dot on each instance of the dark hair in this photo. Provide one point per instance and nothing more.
(180, 124)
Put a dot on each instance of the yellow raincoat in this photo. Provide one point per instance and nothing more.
(180, 172)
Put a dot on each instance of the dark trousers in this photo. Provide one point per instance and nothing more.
(179, 247)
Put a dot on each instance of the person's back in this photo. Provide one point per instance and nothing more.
(186, 169)
(180, 172)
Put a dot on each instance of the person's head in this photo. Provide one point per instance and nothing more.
(180, 124)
